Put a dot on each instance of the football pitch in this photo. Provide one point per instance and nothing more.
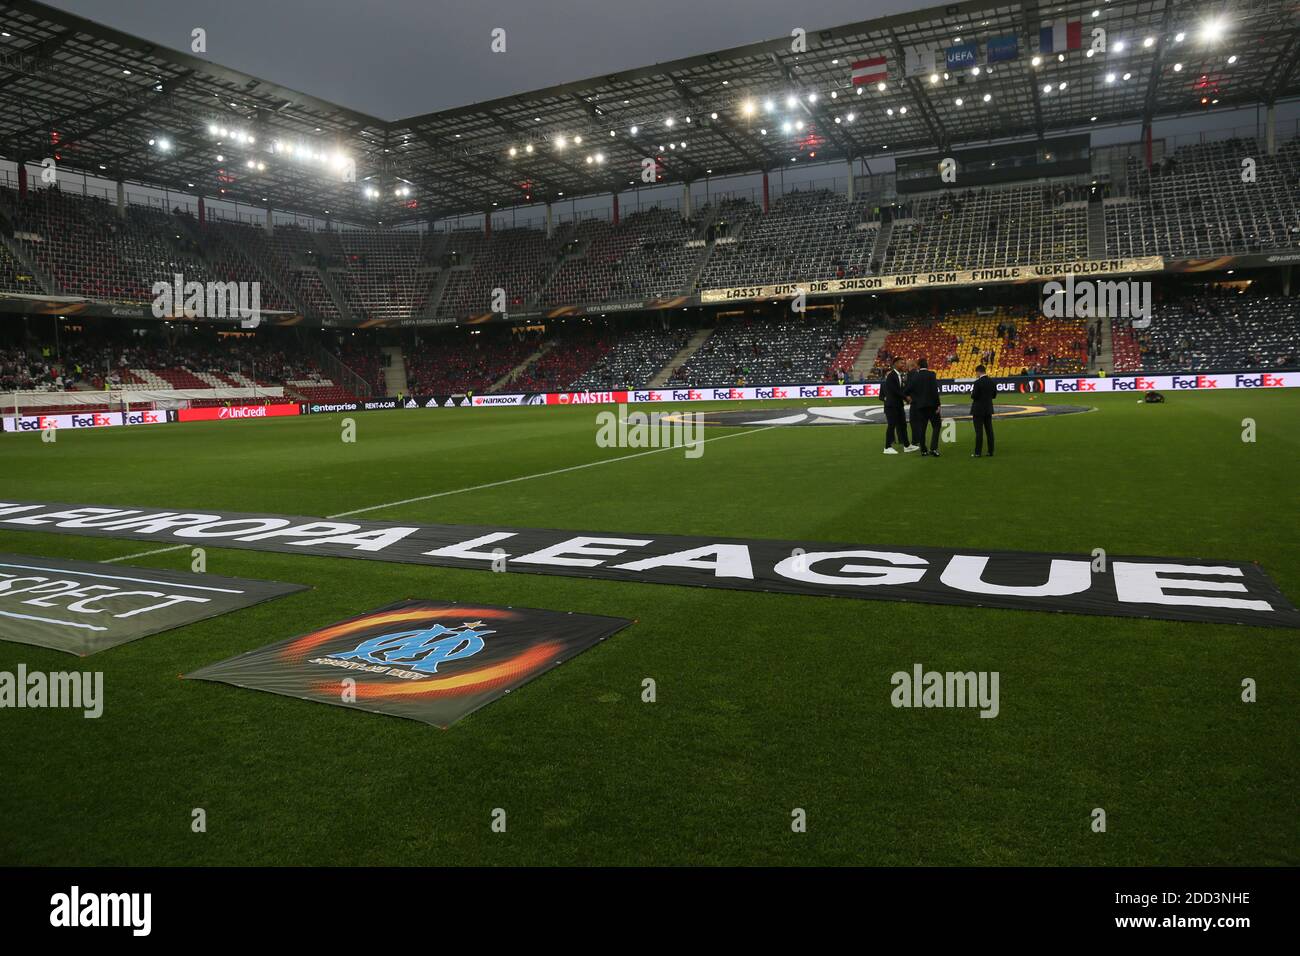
(765, 703)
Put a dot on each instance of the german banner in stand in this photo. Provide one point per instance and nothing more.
(429, 661)
(81, 607)
(1176, 589)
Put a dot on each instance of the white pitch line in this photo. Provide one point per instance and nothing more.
(490, 484)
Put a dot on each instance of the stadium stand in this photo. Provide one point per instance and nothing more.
(1006, 342)
(750, 352)
(240, 253)
(634, 359)
(298, 262)
(574, 353)
(988, 228)
(388, 273)
(646, 255)
(806, 235)
(1195, 203)
(1207, 333)
(455, 365)
(89, 250)
(13, 276)
(516, 261)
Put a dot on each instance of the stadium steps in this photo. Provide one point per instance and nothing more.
(1106, 353)
(1097, 232)
(395, 371)
(256, 262)
(442, 277)
(43, 278)
(698, 271)
(336, 294)
(331, 366)
(514, 373)
(880, 248)
(556, 265)
(681, 358)
(867, 357)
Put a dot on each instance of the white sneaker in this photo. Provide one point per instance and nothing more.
(891, 451)
(912, 448)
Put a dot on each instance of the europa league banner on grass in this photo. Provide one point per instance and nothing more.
(81, 607)
(429, 661)
(1176, 589)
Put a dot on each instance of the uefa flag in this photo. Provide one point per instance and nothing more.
(1060, 35)
(871, 70)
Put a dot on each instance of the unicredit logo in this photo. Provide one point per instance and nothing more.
(243, 411)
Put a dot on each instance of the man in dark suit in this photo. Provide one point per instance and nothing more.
(922, 390)
(981, 410)
(891, 393)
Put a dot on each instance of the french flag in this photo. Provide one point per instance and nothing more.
(1060, 35)
(869, 71)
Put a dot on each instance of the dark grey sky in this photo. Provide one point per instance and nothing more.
(396, 58)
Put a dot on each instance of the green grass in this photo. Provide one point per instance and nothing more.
(766, 702)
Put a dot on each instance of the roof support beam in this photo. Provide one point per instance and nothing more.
(1284, 67)
(1157, 63)
(824, 124)
(690, 97)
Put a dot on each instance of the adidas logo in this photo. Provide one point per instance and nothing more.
(448, 404)
(431, 403)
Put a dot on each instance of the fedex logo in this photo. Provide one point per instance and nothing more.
(1078, 385)
(690, 395)
(862, 391)
(1198, 381)
(647, 396)
(1263, 380)
(821, 391)
(132, 418)
(1138, 384)
(771, 393)
(728, 394)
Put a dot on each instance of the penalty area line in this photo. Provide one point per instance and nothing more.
(482, 487)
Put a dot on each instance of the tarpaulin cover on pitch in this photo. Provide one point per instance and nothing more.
(82, 607)
(1176, 589)
(430, 661)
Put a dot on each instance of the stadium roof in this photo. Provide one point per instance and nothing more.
(120, 107)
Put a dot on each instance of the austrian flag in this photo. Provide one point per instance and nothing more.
(866, 72)
(1060, 35)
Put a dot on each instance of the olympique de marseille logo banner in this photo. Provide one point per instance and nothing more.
(429, 661)
(1177, 589)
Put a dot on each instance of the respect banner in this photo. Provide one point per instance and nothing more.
(82, 607)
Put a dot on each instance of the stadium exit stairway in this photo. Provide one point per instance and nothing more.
(394, 371)
(1096, 230)
(681, 358)
(867, 357)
